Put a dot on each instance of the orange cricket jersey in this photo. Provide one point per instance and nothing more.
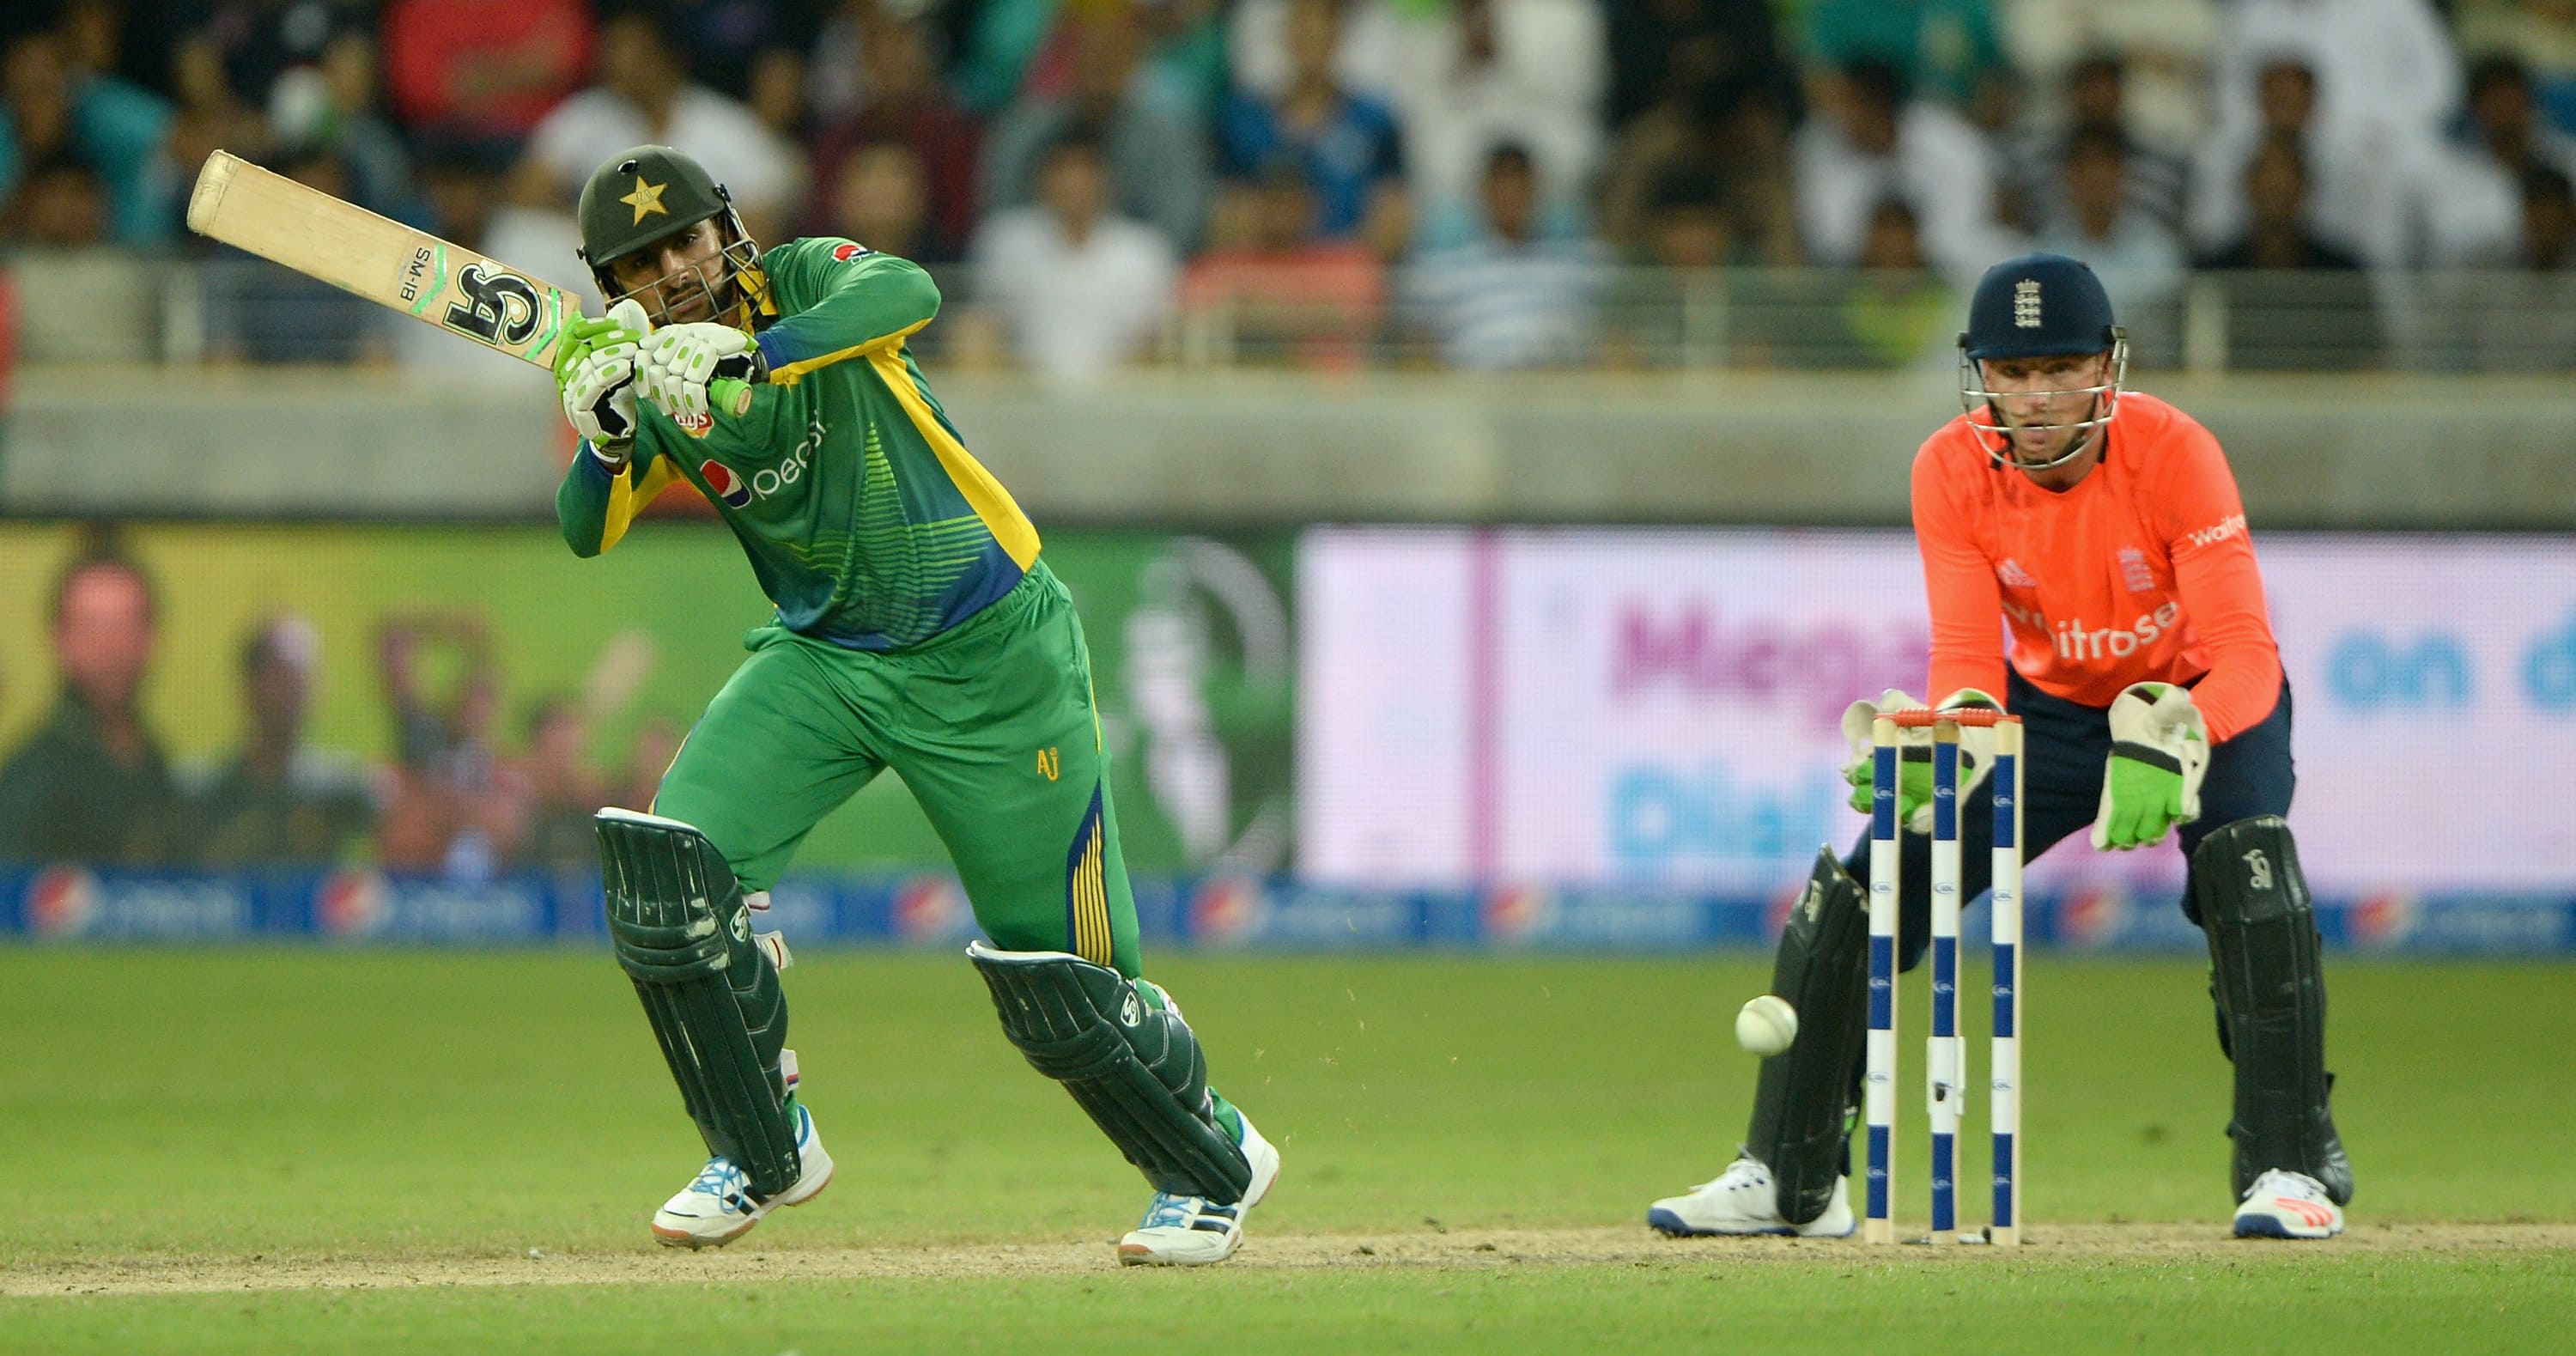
(2142, 572)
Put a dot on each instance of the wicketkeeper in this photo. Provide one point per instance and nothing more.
(2102, 528)
(917, 630)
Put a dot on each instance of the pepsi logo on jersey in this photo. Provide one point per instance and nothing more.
(724, 484)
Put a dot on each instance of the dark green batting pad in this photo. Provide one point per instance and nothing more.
(2271, 993)
(1802, 1101)
(677, 922)
(1131, 1063)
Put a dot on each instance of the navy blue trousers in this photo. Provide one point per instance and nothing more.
(2064, 749)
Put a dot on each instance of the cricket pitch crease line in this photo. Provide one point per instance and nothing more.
(798, 1255)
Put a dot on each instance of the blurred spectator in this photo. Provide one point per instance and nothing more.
(2522, 321)
(260, 313)
(256, 41)
(277, 800)
(1017, 50)
(2542, 33)
(880, 198)
(1512, 297)
(60, 204)
(1187, 41)
(1365, 48)
(329, 107)
(901, 100)
(1719, 53)
(644, 96)
(8, 359)
(1718, 99)
(2138, 257)
(1945, 49)
(2385, 72)
(90, 784)
(2152, 177)
(1869, 143)
(449, 811)
(2459, 204)
(1530, 72)
(1687, 225)
(1896, 311)
(485, 68)
(2548, 221)
(1157, 153)
(1684, 235)
(1345, 145)
(2277, 234)
(1286, 295)
(2163, 48)
(1001, 38)
(2310, 307)
(2344, 167)
(210, 116)
(1079, 288)
(778, 76)
(53, 107)
(133, 42)
(745, 48)
(561, 794)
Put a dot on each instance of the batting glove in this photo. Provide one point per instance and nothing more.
(2159, 753)
(595, 378)
(679, 360)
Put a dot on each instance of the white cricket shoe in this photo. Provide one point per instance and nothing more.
(2285, 1204)
(1743, 1200)
(718, 1207)
(1185, 1231)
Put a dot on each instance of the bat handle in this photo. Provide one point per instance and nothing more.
(729, 395)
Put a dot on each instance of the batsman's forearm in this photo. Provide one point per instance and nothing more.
(2222, 590)
(581, 503)
(879, 302)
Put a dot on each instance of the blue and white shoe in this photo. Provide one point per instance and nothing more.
(719, 1206)
(2288, 1205)
(1744, 1200)
(1183, 1231)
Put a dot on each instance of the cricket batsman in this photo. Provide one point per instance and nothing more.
(2101, 530)
(918, 630)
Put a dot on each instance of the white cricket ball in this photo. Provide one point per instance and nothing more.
(1766, 1025)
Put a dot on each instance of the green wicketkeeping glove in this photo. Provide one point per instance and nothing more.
(2159, 753)
(1914, 753)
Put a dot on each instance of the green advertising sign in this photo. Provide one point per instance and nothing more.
(499, 639)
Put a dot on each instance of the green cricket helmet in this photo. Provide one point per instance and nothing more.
(643, 196)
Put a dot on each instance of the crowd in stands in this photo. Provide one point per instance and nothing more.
(1321, 171)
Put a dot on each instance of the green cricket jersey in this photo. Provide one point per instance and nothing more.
(865, 518)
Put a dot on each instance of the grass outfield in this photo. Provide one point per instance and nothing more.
(289, 1150)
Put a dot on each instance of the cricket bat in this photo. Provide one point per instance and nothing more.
(390, 264)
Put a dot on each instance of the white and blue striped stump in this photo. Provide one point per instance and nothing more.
(1878, 1084)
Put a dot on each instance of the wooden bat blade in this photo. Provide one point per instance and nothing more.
(386, 262)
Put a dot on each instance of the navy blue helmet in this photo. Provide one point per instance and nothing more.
(2038, 306)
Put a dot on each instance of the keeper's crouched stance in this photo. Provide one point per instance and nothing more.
(2142, 665)
(916, 630)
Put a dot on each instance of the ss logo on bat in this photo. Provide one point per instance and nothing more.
(497, 308)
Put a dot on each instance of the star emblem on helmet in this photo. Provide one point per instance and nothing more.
(646, 200)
